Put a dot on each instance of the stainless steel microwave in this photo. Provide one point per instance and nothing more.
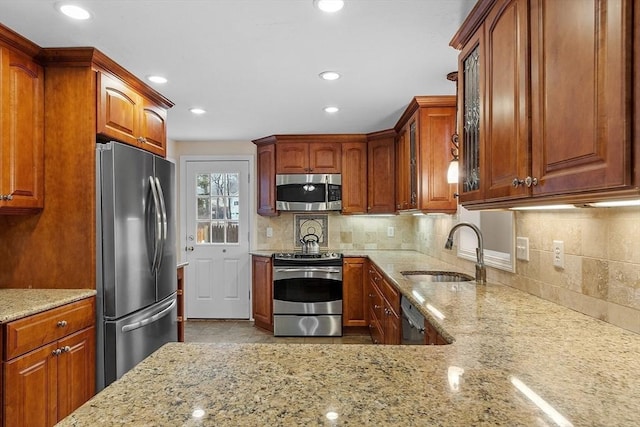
(313, 192)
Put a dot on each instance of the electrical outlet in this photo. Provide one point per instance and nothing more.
(522, 248)
(391, 231)
(269, 232)
(558, 253)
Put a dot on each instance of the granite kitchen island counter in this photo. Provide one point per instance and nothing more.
(515, 360)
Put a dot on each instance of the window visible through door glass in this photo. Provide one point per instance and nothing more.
(217, 208)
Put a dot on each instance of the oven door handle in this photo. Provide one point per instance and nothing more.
(307, 270)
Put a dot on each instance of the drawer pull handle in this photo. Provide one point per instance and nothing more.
(62, 324)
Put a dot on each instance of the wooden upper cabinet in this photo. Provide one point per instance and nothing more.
(424, 146)
(553, 102)
(581, 114)
(125, 115)
(21, 133)
(266, 181)
(506, 108)
(381, 172)
(325, 157)
(354, 177)
(153, 128)
(308, 157)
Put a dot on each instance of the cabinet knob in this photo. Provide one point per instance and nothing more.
(56, 352)
(66, 349)
(189, 249)
(7, 197)
(531, 181)
(377, 306)
(61, 324)
(517, 182)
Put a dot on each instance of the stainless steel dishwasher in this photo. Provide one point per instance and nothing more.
(412, 324)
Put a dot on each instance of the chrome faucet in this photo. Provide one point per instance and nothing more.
(481, 271)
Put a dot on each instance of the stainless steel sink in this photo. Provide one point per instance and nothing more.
(436, 276)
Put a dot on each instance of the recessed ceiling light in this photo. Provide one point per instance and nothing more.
(331, 109)
(197, 111)
(74, 11)
(329, 6)
(329, 75)
(157, 79)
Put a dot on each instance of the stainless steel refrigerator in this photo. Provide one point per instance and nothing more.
(135, 256)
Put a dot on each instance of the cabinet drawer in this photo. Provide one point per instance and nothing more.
(391, 294)
(31, 332)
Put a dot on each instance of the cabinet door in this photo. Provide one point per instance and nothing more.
(506, 105)
(262, 288)
(471, 93)
(375, 308)
(325, 157)
(381, 175)
(266, 180)
(118, 110)
(21, 133)
(392, 325)
(436, 127)
(580, 87)
(355, 298)
(76, 371)
(402, 169)
(354, 177)
(32, 380)
(153, 128)
(292, 157)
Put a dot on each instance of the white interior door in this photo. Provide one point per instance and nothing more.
(217, 240)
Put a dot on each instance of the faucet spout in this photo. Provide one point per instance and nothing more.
(481, 271)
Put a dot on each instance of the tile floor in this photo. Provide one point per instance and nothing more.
(243, 331)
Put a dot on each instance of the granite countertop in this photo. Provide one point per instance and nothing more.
(18, 303)
(509, 349)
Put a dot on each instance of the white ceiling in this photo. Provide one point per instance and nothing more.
(254, 64)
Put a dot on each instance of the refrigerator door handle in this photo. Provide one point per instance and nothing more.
(158, 225)
(148, 320)
(163, 210)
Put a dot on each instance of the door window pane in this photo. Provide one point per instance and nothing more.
(219, 205)
(203, 208)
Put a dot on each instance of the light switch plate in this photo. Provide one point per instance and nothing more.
(558, 253)
(391, 232)
(522, 248)
(269, 232)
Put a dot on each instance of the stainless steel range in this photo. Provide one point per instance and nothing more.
(307, 294)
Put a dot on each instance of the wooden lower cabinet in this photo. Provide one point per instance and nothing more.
(49, 382)
(262, 291)
(384, 308)
(180, 294)
(354, 290)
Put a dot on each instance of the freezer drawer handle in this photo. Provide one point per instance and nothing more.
(148, 320)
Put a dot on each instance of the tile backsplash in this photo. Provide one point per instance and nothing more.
(601, 276)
